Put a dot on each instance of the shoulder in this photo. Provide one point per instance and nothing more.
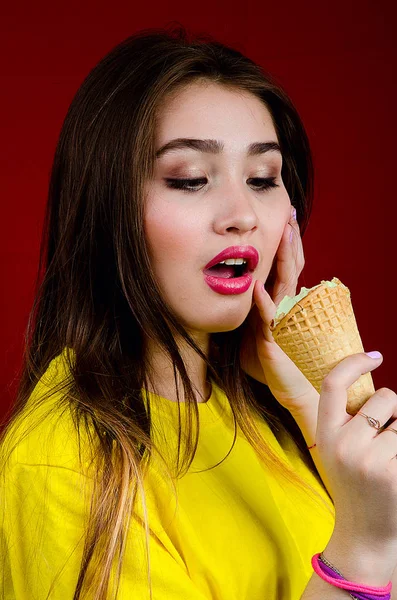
(44, 433)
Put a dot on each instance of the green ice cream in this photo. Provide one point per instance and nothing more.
(289, 301)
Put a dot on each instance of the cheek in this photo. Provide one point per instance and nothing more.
(274, 218)
(170, 233)
(283, 214)
(158, 230)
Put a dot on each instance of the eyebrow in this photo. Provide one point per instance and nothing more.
(214, 146)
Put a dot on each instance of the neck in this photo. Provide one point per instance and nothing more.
(162, 381)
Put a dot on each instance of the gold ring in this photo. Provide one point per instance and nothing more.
(371, 421)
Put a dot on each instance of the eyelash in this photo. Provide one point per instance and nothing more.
(183, 184)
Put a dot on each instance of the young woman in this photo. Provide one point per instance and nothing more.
(158, 447)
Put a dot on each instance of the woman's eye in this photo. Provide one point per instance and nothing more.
(191, 185)
(186, 184)
(265, 183)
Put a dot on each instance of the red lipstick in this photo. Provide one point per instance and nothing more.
(248, 252)
(223, 280)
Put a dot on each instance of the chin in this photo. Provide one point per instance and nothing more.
(225, 321)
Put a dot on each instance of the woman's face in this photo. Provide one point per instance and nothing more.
(231, 205)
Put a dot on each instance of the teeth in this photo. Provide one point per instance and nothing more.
(233, 261)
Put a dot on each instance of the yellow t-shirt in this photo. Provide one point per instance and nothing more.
(236, 532)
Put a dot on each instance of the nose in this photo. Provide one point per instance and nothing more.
(235, 212)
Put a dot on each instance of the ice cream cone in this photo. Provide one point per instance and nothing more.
(318, 332)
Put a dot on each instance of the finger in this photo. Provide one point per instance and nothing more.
(381, 406)
(266, 308)
(383, 441)
(296, 240)
(290, 262)
(332, 413)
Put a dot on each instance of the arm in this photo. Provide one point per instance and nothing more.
(394, 583)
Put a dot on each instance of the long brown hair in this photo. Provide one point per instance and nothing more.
(97, 296)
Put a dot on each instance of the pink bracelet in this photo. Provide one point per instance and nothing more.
(383, 593)
(329, 569)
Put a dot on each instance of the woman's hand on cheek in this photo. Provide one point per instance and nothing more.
(261, 357)
(290, 260)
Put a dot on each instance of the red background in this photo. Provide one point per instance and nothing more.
(338, 62)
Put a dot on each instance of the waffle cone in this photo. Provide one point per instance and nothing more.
(318, 332)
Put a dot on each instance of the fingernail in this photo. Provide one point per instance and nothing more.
(290, 236)
(374, 354)
(294, 213)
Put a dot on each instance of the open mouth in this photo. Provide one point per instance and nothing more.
(229, 269)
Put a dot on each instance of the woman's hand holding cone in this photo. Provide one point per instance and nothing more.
(286, 382)
(361, 466)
